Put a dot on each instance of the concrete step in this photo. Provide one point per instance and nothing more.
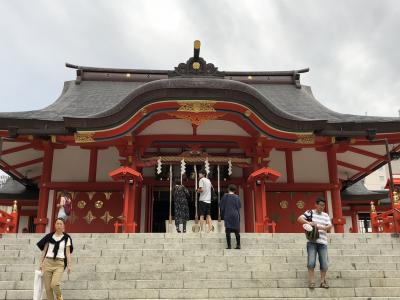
(197, 266)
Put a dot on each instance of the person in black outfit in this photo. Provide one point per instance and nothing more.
(181, 194)
(230, 211)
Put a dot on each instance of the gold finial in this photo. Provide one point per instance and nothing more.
(15, 207)
(396, 199)
(373, 209)
(197, 44)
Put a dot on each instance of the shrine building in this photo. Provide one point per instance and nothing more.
(115, 138)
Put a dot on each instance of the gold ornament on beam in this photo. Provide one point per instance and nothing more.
(121, 217)
(300, 204)
(89, 217)
(81, 204)
(81, 138)
(91, 194)
(108, 195)
(107, 217)
(197, 106)
(98, 204)
(306, 139)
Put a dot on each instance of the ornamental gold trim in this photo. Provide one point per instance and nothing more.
(197, 106)
(306, 139)
(81, 204)
(108, 195)
(196, 118)
(81, 138)
(300, 204)
(90, 195)
(106, 217)
(89, 217)
(98, 204)
(284, 204)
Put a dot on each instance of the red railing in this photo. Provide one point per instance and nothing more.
(9, 221)
(385, 222)
(124, 228)
(269, 226)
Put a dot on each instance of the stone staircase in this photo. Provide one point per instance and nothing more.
(186, 266)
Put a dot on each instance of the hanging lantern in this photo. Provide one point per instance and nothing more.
(183, 166)
(229, 167)
(207, 166)
(159, 164)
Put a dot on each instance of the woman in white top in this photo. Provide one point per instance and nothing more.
(56, 257)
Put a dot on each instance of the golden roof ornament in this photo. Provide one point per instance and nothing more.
(396, 199)
(373, 209)
(14, 207)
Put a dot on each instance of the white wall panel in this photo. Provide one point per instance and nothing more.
(168, 127)
(220, 127)
(310, 166)
(107, 161)
(71, 164)
(278, 162)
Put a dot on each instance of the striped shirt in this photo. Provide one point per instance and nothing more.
(320, 219)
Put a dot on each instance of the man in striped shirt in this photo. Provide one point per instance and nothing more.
(317, 217)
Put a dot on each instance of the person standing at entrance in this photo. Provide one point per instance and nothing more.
(64, 205)
(317, 217)
(230, 211)
(181, 195)
(56, 256)
(205, 200)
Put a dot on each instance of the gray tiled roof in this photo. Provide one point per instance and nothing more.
(96, 98)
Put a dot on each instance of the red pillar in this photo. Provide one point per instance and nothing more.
(248, 208)
(131, 209)
(42, 220)
(138, 207)
(93, 165)
(126, 203)
(260, 206)
(338, 219)
(354, 222)
(289, 166)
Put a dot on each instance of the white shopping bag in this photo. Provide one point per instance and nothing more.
(38, 285)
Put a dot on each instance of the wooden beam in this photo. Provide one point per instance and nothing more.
(350, 166)
(17, 149)
(364, 152)
(28, 163)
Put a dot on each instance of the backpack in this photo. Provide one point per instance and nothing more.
(312, 235)
(68, 206)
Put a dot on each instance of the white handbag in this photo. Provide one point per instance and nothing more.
(38, 285)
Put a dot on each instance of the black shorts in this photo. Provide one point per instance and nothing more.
(204, 208)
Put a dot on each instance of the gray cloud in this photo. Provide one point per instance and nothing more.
(350, 46)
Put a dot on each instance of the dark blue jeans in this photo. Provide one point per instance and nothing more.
(322, 250)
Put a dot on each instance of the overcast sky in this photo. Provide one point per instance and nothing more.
(351, 47)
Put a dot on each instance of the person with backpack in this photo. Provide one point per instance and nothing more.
(65, 206)
(317, 223)
(56, 250)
